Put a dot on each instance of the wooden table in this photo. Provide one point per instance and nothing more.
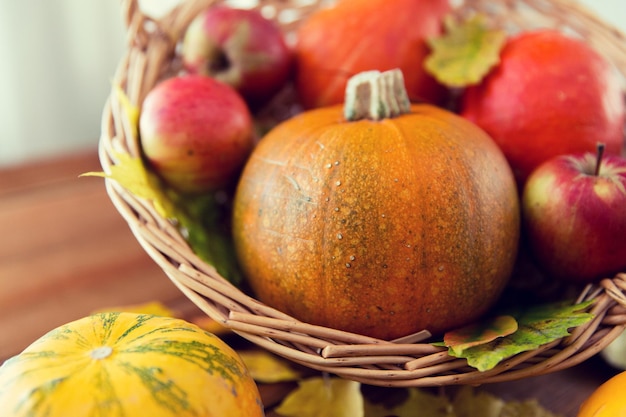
(65, 252)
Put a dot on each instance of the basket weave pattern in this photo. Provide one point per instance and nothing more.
(151, 56)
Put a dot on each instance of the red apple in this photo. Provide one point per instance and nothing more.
(241, 48)
(574, 212)
(196, 132)
(550, 95)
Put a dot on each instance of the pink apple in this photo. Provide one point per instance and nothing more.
(574, 211)
(196, 132)
(241, 48)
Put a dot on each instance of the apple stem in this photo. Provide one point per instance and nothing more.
(600, 152)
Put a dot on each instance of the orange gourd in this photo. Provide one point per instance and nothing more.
(353, 36)
(390, 220)
(607, 400)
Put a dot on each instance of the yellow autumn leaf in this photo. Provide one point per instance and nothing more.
(418, 403)
(132, 111)
(196, 216)
(465, 53)
(527, 408)
(480, 333)
(131, 174)
(323, 397)
(155, 308)
(210, 325)
(267, 368)
(469, 402)
(466, 401)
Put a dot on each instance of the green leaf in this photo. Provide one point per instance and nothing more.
(204, 221)
(465, 53)
(537, 325)
(486, 357)
(201, 219)
(544, 323)
(480, 333)
(327, 397)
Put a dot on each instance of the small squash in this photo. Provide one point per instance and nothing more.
(393, 219)
(130, 365)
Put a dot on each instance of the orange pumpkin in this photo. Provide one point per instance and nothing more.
(353, 36)
(379, 227)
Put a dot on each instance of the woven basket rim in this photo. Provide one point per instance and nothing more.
(405, 362)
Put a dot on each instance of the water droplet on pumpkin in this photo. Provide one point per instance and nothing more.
(440, 268)
(384, 266)
(352, 258)
(327, 199)
(328, 166)
(339, 236)
(383, 215)
(338, 183)
(348, 265)
(336, 208)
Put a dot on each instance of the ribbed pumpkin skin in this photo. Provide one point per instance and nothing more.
(158, 367)
(380, 228)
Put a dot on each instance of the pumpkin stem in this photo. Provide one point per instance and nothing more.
(376, 95)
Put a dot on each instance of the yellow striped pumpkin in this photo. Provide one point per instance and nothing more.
(128, 365)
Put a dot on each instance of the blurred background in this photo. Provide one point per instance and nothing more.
(58, 58)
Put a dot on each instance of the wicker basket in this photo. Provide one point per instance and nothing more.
(151, 56)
